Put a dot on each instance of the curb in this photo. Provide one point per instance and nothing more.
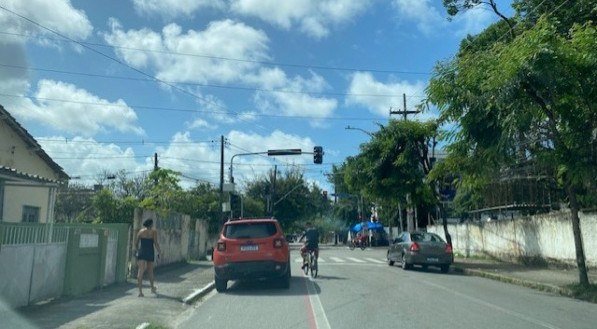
(190, 299)
(520, 282)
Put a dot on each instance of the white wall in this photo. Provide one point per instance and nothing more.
(546, 236)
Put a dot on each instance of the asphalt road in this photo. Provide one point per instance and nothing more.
(356, 289)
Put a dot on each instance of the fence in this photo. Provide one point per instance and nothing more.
(32, 262)
(44, 261)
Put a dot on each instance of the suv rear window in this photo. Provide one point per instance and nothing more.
(250, 230)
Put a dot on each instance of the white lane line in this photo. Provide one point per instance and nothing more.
(321, 320)
(298, 260)
(337, 260)
(321, 260)
(143, 325)
(375, 260)
(493, 306)
(356, 260)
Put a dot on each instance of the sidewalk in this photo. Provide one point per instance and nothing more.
(551, 279)
(118, 306)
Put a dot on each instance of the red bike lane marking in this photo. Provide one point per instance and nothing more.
(309, 307)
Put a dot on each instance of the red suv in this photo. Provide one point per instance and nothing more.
(251, 249)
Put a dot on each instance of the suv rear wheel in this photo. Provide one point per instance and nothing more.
(221, 285)
(285, 280)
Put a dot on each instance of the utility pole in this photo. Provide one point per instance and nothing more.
(155, 167)
(273, 193)
(410, 213)
(222, 179)
(404, 112)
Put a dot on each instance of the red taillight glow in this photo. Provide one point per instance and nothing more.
(278, 243)
(221, 246)
(414, 247)
(448, 249)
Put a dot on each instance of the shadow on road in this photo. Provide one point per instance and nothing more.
(298, 287)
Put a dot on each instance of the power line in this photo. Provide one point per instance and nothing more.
(287, 91)
(156, 79)
(142, 142)
(241, 60)
(172, 109)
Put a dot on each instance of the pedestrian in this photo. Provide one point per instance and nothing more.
(145, 242)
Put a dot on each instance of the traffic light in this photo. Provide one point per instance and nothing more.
(318, 154)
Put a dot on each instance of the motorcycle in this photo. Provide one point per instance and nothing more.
(358, 242)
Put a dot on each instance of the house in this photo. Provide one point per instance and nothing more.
(29, 178)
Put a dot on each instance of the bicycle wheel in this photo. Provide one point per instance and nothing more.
(306, 267)
(313, 266)
(351, 245)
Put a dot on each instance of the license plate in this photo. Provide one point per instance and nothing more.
(249, 248)
(433, 260)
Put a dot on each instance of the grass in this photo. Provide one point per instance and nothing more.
(586, 293)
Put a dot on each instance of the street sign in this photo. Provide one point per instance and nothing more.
(225, 207)
(284, 152)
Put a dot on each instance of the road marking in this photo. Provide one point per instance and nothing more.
(337, 260)
(493, 306)
(356, 260)
(317, 318)
(143, 325)
(298, 260)
(320, 260)
(375, 260)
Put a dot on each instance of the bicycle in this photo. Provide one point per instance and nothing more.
(311, 264)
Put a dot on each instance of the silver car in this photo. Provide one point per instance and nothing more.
(420, 248)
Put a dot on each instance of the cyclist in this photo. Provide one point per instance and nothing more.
(311, 236)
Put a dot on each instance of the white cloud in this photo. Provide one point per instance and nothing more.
(363, 84)
(225, 38)
(295, 104)
(58, 15)
(313, 17)
(84, 113)
(85, 157)
(430, 19)
(174, 8)
(199, 123)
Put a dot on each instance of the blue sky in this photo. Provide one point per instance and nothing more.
(120, 80)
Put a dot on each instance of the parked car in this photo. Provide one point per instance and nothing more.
(251, 249)
(420, 248)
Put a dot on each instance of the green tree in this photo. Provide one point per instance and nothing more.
(111, 209)
(528, 99)
(73, 203)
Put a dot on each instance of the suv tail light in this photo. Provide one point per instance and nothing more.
(414, 247)
(221, 246)
(448, 249)
(278, 243)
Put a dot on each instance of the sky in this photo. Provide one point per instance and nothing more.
(103, 85)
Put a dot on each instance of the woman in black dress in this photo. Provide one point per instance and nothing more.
(145, 241)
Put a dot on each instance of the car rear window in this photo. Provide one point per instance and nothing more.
(250, 230)
(425, 237)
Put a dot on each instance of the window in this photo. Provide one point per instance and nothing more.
(30, 214)
(426, 237)
(250, 230)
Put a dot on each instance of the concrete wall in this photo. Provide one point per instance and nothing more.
(541, 237)
(180, 237)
